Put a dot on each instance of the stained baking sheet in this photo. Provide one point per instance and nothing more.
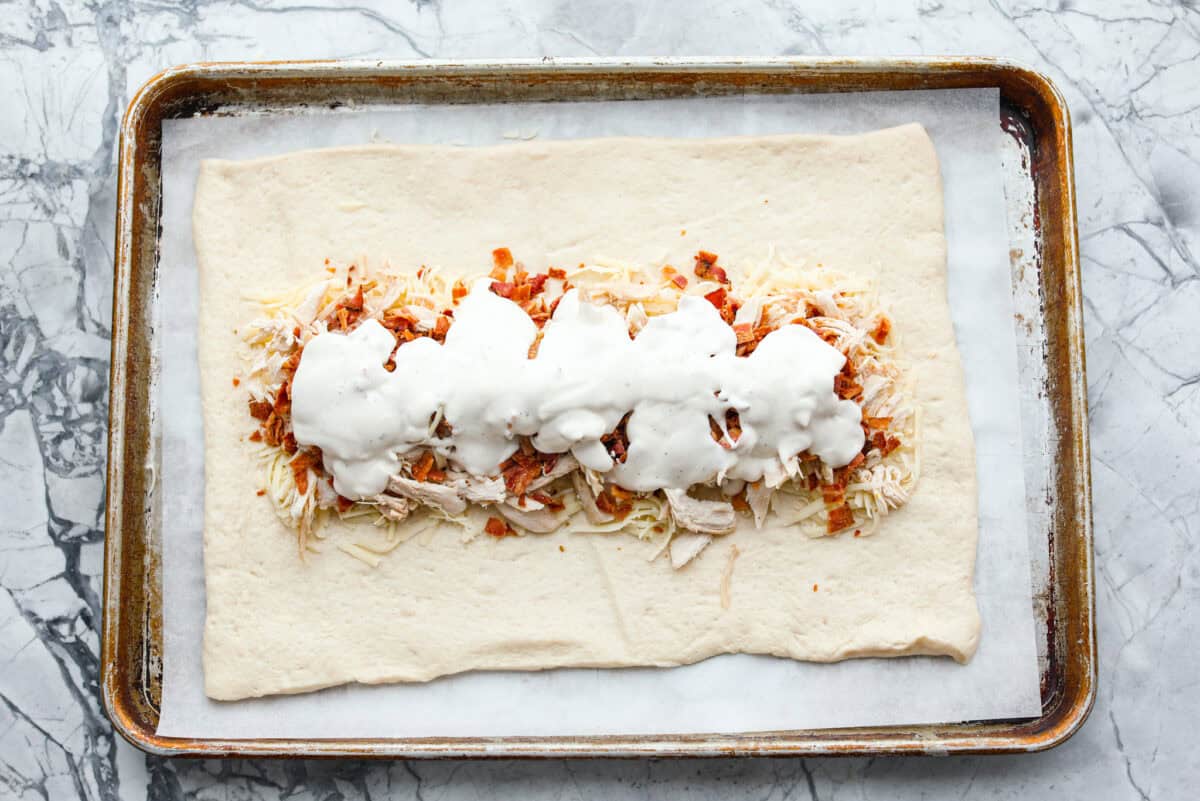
(1002, 680)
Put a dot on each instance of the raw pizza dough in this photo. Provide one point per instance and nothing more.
(867, 205)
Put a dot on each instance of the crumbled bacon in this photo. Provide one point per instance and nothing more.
(846, 388)
(537, 283)
(833, 494)
(502, 288)
(397, 320)
(744, 332)
(877, 423)
(549, 501)
(300, 466)
(714, 429)
(679, 281)
(497, 527)
(289, 443)
(441, 327)
(458, 291)
(706, 267)
(443, 429)
(260, 410)
(733, 424)
(502, 258)
(881, 330)
(717, 298)
(256, 436)
(840, 518)
(519, 471)
(608, 503)
(293, 361)
(739, 502)
(426, 469)
(617, 441)
(555, 272)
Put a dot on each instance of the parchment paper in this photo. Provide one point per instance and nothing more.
(734, 693)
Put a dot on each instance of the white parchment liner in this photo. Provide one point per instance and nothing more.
(727, 694)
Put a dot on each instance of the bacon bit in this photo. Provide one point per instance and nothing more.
(555, 272)
(537, 284)
(739, 502)
(619, 493)
(519, 473)
(858, 532)
(261, 493)
(549, 501)
(706, 267)
(840, 518)
(878, 423)
(283, 403)
(606, 503)
(833, 494)
(420, 272)
(355, 303)
(256, 436)
(293, 361)
(443, 429)
(846, 388)
(300, 467)
(458, 291)
(717, 298)
(497, 528)
(289, 443)
(330, 269)
(718, 435)
(421, 470)
(521, 293)
(260, 410)
(856, 461)
(344, 504)
(236, 380)
(848, 368)
(744, 332)
(814, 588)
(441, 327)
(398, 320)
(679, 281)
(502, 288)
(881, 330)
(733, 424)
(502, 258)
(617, 442)
(813, 481)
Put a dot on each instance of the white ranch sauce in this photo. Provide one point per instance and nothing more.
(680, 370)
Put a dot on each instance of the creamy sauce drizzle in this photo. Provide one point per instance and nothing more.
(680, 370)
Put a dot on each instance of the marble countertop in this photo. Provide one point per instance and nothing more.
(1131, 73)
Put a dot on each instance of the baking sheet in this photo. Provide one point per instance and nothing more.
(1002, 681)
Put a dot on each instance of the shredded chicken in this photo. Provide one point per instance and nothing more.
(686, 546)
(704, 517)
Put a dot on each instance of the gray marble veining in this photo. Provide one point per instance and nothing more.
(1131, 73)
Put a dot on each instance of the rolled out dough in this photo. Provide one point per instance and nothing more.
(867, 205)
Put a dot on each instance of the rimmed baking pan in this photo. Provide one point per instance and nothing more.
(1039, 186)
